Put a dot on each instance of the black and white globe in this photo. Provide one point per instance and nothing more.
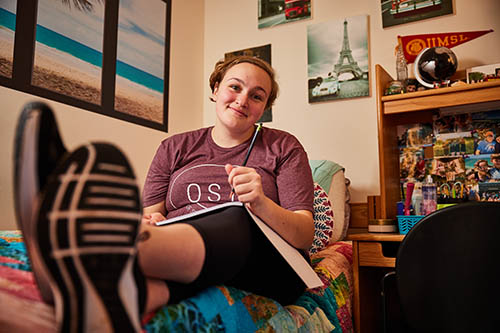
(435, 65)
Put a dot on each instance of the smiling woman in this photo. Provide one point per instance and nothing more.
(201, 168)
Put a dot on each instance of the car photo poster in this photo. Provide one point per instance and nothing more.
(337, 59)
(276, 12)
(396, 12)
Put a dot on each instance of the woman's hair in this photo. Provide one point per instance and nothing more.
(222, 66)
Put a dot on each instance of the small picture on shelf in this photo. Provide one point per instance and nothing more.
(486, 132)
(484, 73)
(414, 135)
(451, 192)
(489, 191)
(448, 169)
(452, 123)
(483, 177)
(486, 142)
(483, 168)
(412, 164)
(449, 175)
(453, 144)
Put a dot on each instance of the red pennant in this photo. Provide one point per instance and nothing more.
(412, 45)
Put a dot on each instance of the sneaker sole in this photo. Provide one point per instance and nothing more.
(36, 136)
(86, 231)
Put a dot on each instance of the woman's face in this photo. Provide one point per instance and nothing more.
(241, 96)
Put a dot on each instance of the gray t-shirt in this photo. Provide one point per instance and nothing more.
(188, 172)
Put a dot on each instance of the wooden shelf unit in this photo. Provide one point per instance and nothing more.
(415, 107)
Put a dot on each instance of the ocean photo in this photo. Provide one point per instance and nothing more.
(7, 25)
(140, 58)
(68, 58)
(68, 50)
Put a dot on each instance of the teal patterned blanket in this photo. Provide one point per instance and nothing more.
(220, 308)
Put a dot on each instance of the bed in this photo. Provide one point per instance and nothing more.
(219, 308)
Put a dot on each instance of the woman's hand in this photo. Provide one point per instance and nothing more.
(296, 227)
(154, 213)
(152, 218)
(247, 184)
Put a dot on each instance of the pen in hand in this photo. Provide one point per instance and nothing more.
(248, 153)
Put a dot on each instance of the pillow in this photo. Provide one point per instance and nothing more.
(340, 197)
(323, 171)
(323, 219)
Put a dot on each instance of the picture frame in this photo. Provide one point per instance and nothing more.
(59, 54)
(395, 12)
(275, 12)
(483, 73)
(338, 59)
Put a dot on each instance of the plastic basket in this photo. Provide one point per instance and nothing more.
(406, 222)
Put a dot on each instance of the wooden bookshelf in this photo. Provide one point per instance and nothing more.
(417, 107)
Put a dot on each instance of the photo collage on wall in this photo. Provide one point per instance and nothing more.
(460, 151)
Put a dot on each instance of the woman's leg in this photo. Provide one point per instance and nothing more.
(175, 252)
(158, 295)
(164, 255)
(201, 252)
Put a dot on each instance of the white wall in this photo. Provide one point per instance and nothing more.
(139, 143)
(344, 131)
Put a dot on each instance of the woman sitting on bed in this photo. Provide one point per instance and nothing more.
(88, 217)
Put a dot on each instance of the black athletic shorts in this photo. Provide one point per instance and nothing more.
(239, 255)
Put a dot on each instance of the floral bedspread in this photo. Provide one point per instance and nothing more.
(221, 308)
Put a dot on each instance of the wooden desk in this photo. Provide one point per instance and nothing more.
(374, 255)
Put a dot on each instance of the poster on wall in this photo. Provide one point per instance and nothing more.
(140, 60)
(337, 59)
(60, 54)
(276, 12)
(68, 50)
(7, 28)
(263, 52)
(396, 12)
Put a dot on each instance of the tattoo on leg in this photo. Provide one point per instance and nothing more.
(144, 236)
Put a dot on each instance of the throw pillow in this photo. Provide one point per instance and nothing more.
(323, 219)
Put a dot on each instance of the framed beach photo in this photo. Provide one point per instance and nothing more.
(396, 12)
(108, 57)
(337, 59)
(7, 28)
(68, 50)
(263, 52)
(276, 12)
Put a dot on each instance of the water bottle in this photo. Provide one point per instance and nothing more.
(401, 65)
(429, 195)
(417, 199)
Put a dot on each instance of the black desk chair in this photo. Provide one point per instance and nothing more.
(447, 270)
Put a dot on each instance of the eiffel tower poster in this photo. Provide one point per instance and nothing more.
(337, 57)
